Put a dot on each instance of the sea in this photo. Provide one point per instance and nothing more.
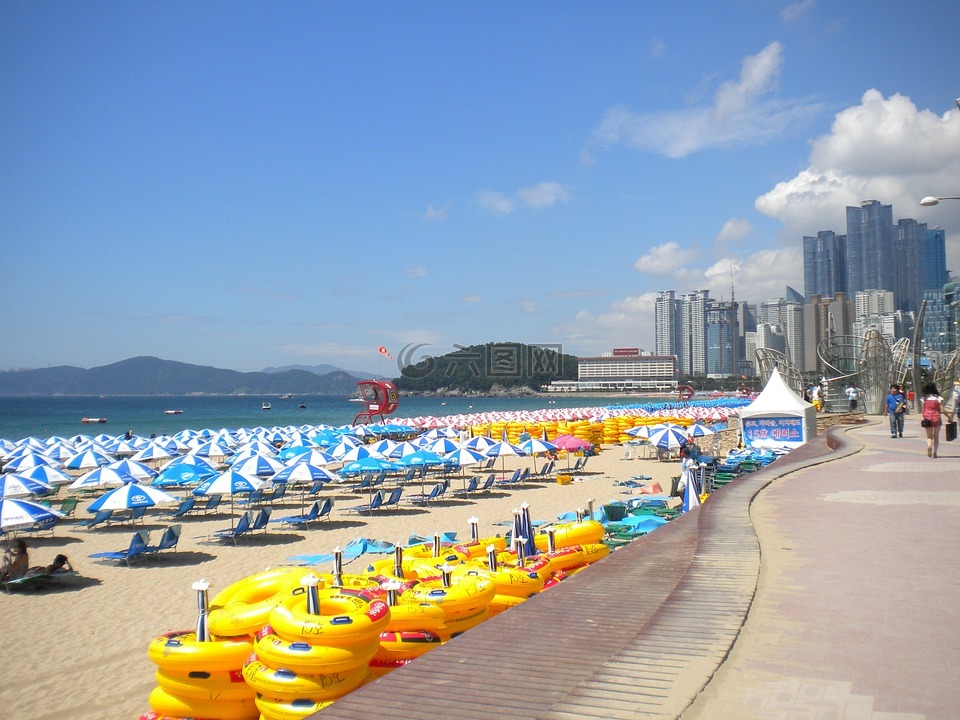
(42, 417)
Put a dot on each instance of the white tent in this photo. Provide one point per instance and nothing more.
(778, 417)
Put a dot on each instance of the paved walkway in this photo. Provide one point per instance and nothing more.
(857, 612)
(823, 587)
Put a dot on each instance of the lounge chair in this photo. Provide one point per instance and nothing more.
(278, 494)
(261, 520)
(101, 518)
(472, 486)
(138, 546)
(435, 492)
(375, 502)
(168, 541)
(68, 506)
(394, 499)
(254, 498)
(213, 504)
(241, 528)
(312, 515)
(512, 480)
(185, 507)
(487, 484)
(37, 580)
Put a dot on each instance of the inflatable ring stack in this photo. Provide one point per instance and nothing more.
(241, 609)
(316, 648)
(465, 603)
(414, 628)
(583, 532)
(199, 675)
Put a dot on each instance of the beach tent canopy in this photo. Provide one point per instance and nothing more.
(778, 417)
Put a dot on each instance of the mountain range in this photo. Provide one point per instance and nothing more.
(153, 376)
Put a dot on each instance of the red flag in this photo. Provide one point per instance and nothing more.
(383, 351)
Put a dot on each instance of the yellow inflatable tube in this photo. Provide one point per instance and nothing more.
(163, 703)
(183, 652)
(243, 607)
(301, 657)
(277, 709)
(466, 597)
(506, 579)
(287, 685)
(347, 617)
(584, 532)
(203, 685)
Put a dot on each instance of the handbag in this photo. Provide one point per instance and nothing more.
(951, 431)
(925, 423)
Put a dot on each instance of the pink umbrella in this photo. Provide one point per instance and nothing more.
(571, 444)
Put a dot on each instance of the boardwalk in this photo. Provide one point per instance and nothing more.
(825, 586)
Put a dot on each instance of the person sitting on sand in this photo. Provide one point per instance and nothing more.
(16, 561)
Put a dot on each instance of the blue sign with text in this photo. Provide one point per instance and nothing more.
(772, 431)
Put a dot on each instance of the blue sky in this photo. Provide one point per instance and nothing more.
(249, 184)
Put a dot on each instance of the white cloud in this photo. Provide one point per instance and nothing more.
(495, 202)
(471, 299)
(733, 230)
(882, 149)
(432, 213)
(743, 112)
(536, 197)
(665, 259)
(415, 272)
(528, 306)
(543, 195)
(793, 12)
(625, 323)
(657, 48)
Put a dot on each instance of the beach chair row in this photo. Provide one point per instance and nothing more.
(248, 524)
(140, 546)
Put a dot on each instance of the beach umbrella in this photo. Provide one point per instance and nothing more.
(152, 452)
(366, 465)
(88, 460)
(421, 458)
(442, 446)
(17, 513)
(200, 464)
(691, 492)
(304, 473)
(501, 450)
(12, 485)
(258, 465)
(27, 460)
(49, 475)
(463, 457)
(130, 497)
(699, 430)
(641, 431)
(480, 443)
(313, 457)
(535, 446)
(180, 475)
(357, 453)
(572, 444)
(229, 483)
(101, 477)
(133, 468)
(668, 438)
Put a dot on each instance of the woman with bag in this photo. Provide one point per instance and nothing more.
(932, 410)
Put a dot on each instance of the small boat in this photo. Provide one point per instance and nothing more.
(288, 396)
(173, 412)
(303, 406)
(93, 420)
(265, 406)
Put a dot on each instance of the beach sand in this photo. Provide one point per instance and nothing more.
(79, 648)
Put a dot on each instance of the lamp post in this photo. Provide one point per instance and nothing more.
(930, 200)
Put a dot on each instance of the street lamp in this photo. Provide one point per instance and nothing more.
(930, 200)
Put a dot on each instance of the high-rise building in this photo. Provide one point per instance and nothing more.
(824, 264)
(720, 339)
(668, 319)
(822, 318)
(694, 358)
(873, 302)
(871, 251)
(933, 271)
(908, 270)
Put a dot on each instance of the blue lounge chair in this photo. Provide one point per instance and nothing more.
(435, 492)
(185, 507)
(394, 499)
(375, 502)
(261, 520)
(487, 484)
(512, 480)
(138, 546)
(279, 493)
(472, 486)
(213, 504)
(68, 506)
(242, 528)
(302, 520)
(168, 541)
(101, 518)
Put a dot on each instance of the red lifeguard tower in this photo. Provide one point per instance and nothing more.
(379, 397)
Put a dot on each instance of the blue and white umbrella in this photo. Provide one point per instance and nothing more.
(228, 483)
(20, 513)
(12, 486)
(258, 465)
(699, 430)
(480, 443)
(47, 474)
(421, 458)
(366, 465)
(442, 446)
(304, 473)
(180, 475)
(102, 477)
(691, 492)
(668, 438)
(313, 457)
(27, 460)
(152, 452)
(88, 460)
(464, 457)
(503, 449)
(130, 497)
(199, 464)
(133, 468)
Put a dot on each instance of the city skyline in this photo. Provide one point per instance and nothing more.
(303, 184)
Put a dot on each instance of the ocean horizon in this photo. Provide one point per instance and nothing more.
(42, 417)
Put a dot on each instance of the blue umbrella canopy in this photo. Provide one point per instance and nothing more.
(304, 473)
(258, 465)
(367, 464)
(668, 438)
(134, 468)
(101, 477)
(130, 497)
(180, 475)
(12, 485)
(47, 474)
(18, 513)
(420, 458)
(88, 460)
(27, 460)
(228, 483)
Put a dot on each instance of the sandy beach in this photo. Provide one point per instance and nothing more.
(79, 648)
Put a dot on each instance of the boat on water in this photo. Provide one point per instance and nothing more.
(265, 406)
(303, 406)
(287, 396)
(93, 420)
(173, 412)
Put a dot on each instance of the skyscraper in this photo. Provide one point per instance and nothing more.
(694, 359)
(824, 264)
(668, 319)
(871, 252)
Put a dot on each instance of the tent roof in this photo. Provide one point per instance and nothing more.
(776, 399)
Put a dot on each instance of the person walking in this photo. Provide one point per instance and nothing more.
(953, 402)
(932, 410)
(895, 406)
(853, 395)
